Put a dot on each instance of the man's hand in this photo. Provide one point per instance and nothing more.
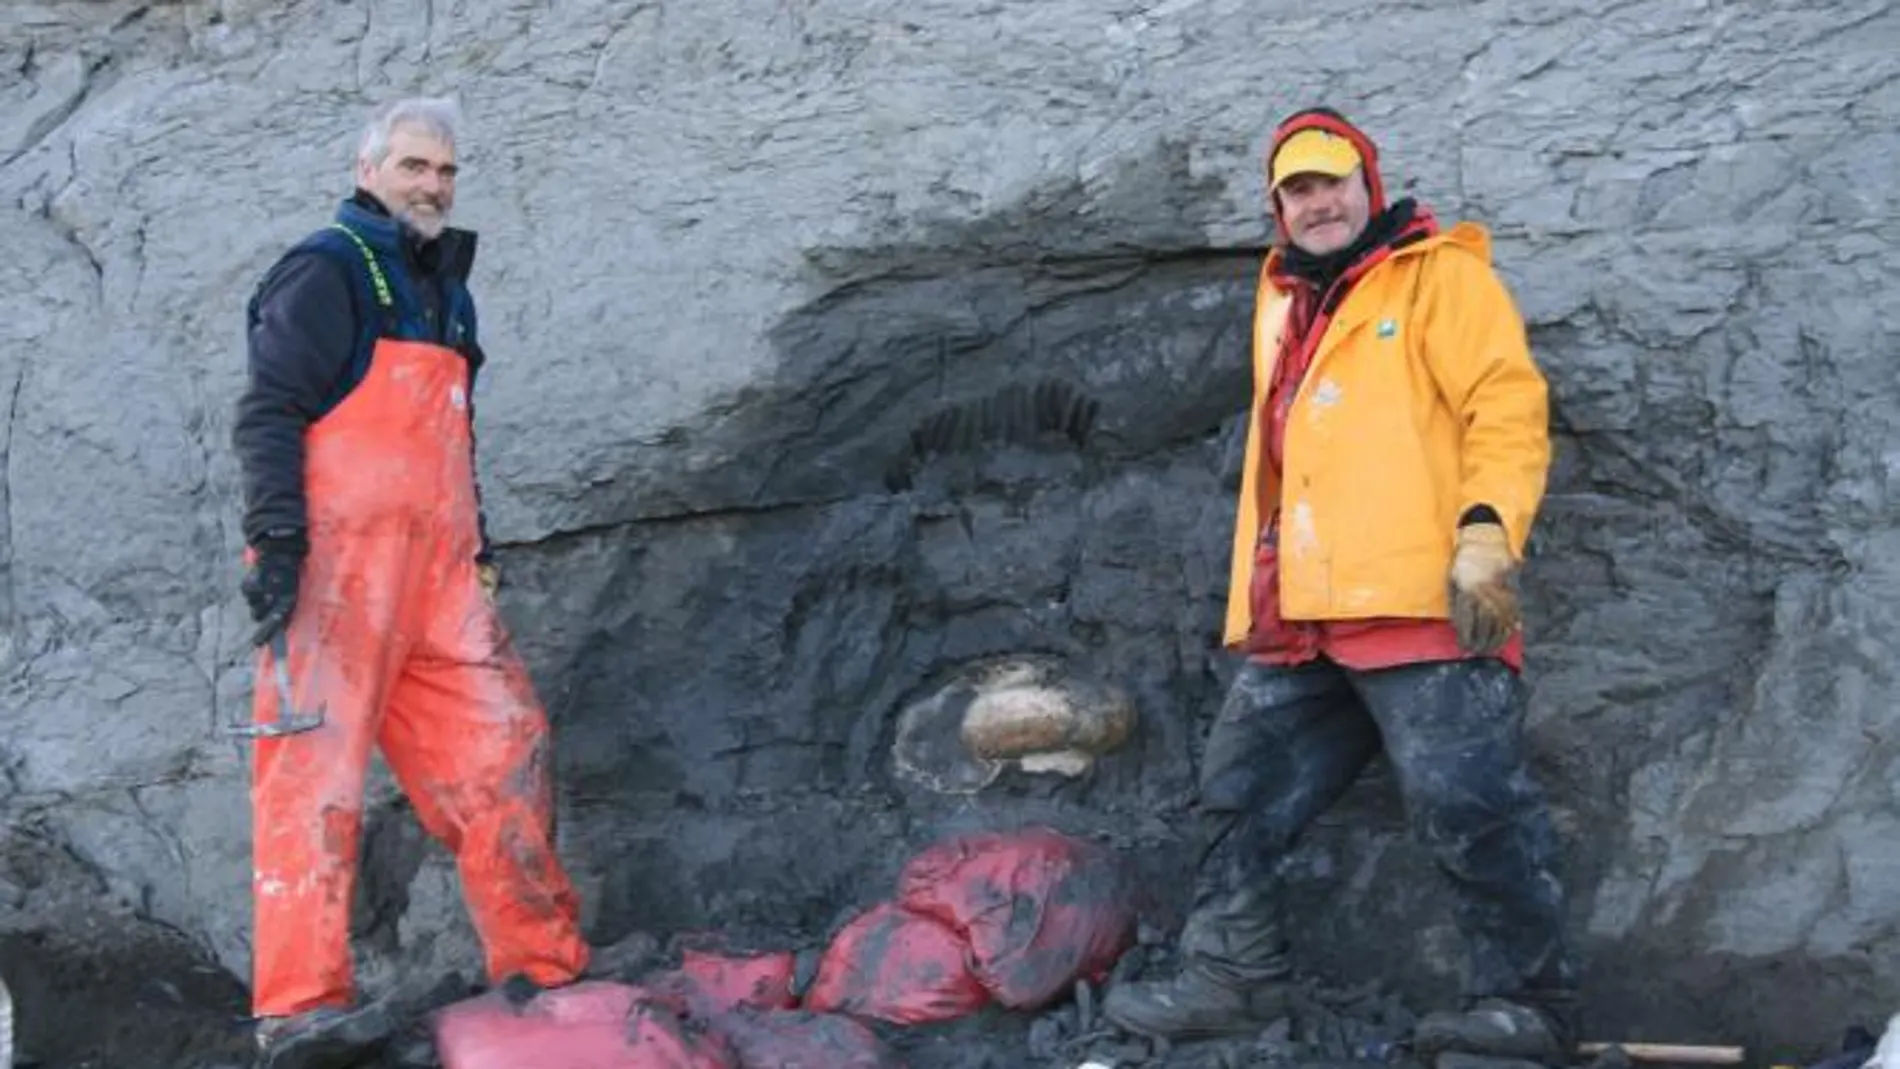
(270, 587)
(1483, 588)
(490, 577)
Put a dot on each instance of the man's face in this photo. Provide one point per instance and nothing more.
(1323, 214)
(415, 181)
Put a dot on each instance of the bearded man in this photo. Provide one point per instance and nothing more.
(372, 583)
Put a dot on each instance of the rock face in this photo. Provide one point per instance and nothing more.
(737, 262)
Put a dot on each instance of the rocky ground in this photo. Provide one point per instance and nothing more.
(158, 1004)
(161, 1007)
(93, 999)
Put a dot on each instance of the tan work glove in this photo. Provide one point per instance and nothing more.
(1483, 588)
(490, 577)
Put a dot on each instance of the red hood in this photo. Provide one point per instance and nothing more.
(1335, 124)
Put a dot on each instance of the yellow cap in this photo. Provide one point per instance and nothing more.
(1313, 151)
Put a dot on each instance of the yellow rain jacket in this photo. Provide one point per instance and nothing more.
(1421, 401)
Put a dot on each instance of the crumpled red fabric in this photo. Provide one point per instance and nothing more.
(1038, 909)
(898, 966)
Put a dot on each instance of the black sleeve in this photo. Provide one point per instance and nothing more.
(302, 329)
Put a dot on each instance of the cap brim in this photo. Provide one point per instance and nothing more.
(1331, 156)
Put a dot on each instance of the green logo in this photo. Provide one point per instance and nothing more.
(1388, 327)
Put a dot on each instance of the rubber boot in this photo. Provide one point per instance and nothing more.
(1234, 978)
(624, 962)
(325, 1038)
(1498, 1028)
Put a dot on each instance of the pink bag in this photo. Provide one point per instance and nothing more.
(590, 1025)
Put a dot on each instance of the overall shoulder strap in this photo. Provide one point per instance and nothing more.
(379, 282)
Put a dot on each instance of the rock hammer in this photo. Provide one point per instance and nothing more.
(289, 720)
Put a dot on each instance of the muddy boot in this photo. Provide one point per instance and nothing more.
(1234, 978)
(1497, 1028)
(625, 962)
(325, 1038)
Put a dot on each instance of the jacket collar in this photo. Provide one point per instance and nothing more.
(1467, 235)
(453, 252)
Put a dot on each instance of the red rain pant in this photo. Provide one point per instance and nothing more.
(394, 637)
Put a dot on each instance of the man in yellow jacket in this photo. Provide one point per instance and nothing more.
(1396, 457)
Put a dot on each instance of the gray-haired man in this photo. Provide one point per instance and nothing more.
(368, 571)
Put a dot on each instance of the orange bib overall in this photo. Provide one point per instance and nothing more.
(394, 637)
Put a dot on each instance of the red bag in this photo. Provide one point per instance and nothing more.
(898, 966)
(803, 1040)
(1038, 909)
(589, 1025)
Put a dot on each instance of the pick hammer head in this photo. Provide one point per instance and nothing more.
(290, 721)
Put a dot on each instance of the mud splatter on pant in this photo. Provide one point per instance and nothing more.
(396, 642)
(1288, 742)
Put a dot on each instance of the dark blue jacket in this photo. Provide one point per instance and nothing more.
(312, 325)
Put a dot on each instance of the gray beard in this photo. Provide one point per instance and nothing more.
(430, 228)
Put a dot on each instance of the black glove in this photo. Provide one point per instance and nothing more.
(270, 586)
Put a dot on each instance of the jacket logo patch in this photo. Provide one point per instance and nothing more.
(1388, 328)
(458, 399)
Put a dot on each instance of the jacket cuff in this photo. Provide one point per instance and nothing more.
(288, 541)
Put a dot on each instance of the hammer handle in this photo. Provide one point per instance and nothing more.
(1680, 1053)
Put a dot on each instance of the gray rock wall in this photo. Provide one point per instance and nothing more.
(733, 254)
